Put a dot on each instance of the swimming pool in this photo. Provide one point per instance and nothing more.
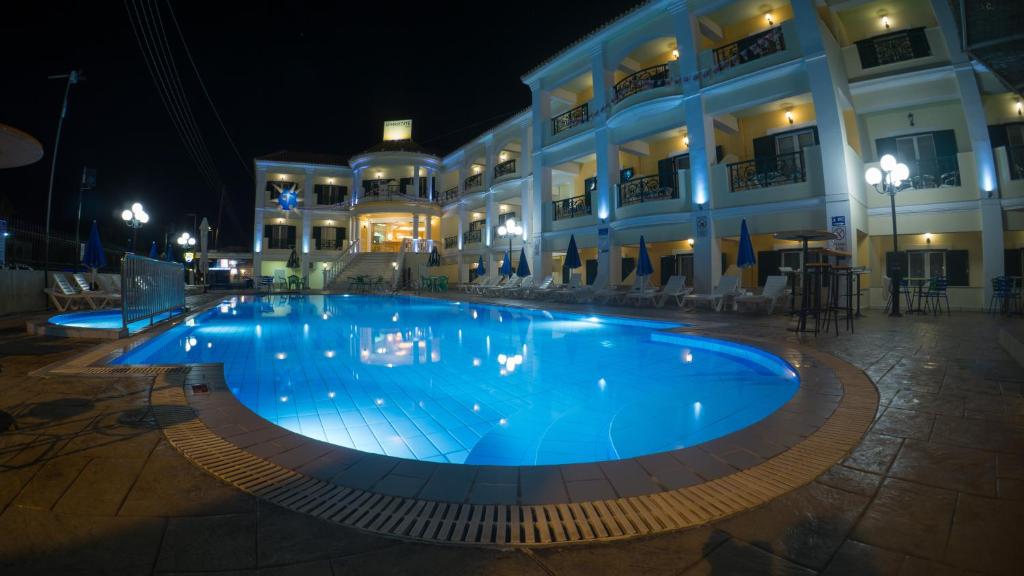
(109, 319)
(469, 383)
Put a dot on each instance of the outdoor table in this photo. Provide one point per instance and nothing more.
(858, 272)
(916, 287)
(805, 236)
(1015, 288)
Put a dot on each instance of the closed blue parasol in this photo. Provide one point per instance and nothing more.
(435, 257)
(94, 258)
(169, 252)
(643, 266)
(572, 254)
(154, 252)
(523, 270)
(480, 270)
(506, 265)
(745, 258)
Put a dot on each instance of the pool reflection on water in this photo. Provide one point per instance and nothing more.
(468, 383)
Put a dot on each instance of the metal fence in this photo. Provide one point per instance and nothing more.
(24, 246)
(150, 287)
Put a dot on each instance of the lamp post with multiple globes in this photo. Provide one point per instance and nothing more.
(187, 243)
(510, 230)
(888, 180)
(135, 218)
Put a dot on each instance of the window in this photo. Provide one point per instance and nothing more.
(795, 141)
(328, 237)
(502, 218)
(925, 264)
(275, 187)
(930, 156)
(279, 236)
(953, 264)
(330, 194)
(893, 47)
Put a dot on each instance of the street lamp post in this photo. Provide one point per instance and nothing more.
(510, 230)
(135, 218)
(888, 181)
(187, 242)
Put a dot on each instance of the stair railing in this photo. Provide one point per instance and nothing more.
(396, 279)
(334, 268)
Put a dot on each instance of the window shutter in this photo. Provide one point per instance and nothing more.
(317, 190)
(867, 53)
(768, 263)
(628, 264)
(291, 236)
(945, 143)
(339, 236)
(317, 231)
(1012, 262)
(666, 173)
(904, 264)
(957, 268)
(919, 42)
(998, 136)
(267, 231)
(764, 147)
(342, 193)
(885, 146)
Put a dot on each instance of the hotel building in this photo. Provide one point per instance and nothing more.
(676, 121)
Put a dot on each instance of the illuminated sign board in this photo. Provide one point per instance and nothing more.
(398, 130)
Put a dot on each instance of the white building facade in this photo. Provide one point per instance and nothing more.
(679, 120)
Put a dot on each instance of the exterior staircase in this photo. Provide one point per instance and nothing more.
(371, 264)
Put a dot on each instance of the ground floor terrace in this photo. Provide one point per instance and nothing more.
(91, 483)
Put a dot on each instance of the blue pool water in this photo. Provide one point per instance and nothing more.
(469, 383)
(104, 320)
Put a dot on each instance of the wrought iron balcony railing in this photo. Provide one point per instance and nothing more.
(646, 79)
(751, 48)
(1015, 154)
(893, 47)
(570, 119)
(645, 189)
(571, 207)
(451, 242)
(448, 195)
(473, 237)
(505, 168)
(767, 171)
(932, 172)
(474, 181)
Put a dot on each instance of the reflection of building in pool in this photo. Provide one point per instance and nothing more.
(393, 348)
(676, 121)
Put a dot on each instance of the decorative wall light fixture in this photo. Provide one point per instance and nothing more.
(675, 53)
(885, 22)
(789, 116)
(769, 18)
(1020, 107)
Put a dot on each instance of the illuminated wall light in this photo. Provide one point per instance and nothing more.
(675, 53)
(1020, 107)
(690, 241)
(686, 140)
(885, 22)
(503, 156)
(789, 116)
(378, 175)
(928, 237)
(476, 168)
(769, 18)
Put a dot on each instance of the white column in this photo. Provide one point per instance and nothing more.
(307, 240)
(491, 215)
(416, 227)
(463, 274)
(540, 187)
(608, 257)
(257, 232)
(416, 181)
(707, 266)
(603, 79)
(431, 174)
(490, 160)
(430, 226)
(354, 233)
(357, 187)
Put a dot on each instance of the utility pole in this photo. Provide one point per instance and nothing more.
(72, 77)
(88, 183)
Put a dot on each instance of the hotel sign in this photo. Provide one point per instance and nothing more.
(398, 130)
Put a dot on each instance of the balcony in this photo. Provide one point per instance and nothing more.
(761, 50)
(1010, 167)
(645, 189)
(571, 207)
(646, 79)
(932, 173)
(473, 237)
(451, 242)
(448, 195)
(475, 181)
(506, 168)
(387, 190)
(767, 171)
(894, 51)
(571, 119)
(330, 244)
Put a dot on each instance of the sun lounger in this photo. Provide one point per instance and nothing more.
(675, 289)
(103, 297)
(726, 287)
(774, 287)
(643, 292)
(511, 284)
(479, 287)
(524, 287)
(64, 297)
(533, 291)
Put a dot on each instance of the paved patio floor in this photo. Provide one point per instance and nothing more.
(89, 485)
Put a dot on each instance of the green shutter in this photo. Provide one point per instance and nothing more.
(958, 268)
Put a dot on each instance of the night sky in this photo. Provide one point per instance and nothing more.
(305, 76)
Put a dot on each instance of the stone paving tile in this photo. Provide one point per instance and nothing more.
(449, 484)
(101, 487)
(437, 560)
(704, 464)
(483, 493)
(986, 535)
(980, 434)
(874, 454)
(286, 537)
(208, 543)
(667, 554)
(851, 480)
(859, 559)
(51, 481)
(807, 525)
(40, 542)
(318, 568)
(905, 424)
(628, 478)
(944, 466)
(914, 566)
(739, 558)
(583, 490)
(949, 405)
(909, 518)
(541, 484)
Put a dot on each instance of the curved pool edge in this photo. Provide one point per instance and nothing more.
(511, 506)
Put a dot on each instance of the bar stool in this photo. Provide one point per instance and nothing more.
(810, 300)
(840, 301)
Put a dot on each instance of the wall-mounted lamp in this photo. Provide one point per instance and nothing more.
(910, 118)
(1020, 107)
(476, 169)
(928, 237)
(675, 53)
(769, 19)
(686, 141)
(690, 242)
(378, 175)
(503, 156)
(789, 116)
(885, 22)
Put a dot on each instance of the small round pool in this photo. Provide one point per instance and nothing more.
(477, 384)
(104, 320)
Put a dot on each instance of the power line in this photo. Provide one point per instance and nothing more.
(174, 19)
